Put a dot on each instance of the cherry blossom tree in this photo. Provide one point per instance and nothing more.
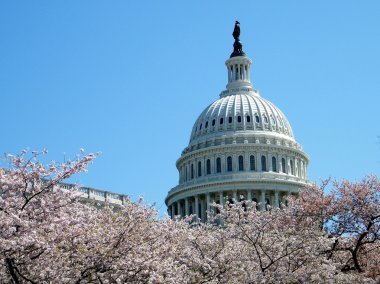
(33, 210)
(47, 235)
(350, 214)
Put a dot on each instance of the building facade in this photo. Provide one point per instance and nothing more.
(241, 147)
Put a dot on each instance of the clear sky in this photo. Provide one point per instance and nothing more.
(129, 78)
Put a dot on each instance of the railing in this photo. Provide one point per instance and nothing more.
(88, 193)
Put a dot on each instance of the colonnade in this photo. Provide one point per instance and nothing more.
(200, 204)
(238, 72)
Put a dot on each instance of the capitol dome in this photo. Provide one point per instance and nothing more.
(241, 147)
(243, 112)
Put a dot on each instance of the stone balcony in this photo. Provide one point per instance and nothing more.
(92, 194)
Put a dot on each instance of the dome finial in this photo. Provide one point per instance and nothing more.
(238, 47)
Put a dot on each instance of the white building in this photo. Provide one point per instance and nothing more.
(241, 146)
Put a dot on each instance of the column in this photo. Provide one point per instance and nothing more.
(262, 207)
(234, 196)
(203, 211)
(305, 172)
(234, 161)
(172, 210)
(195, 168)
(248, 72)
(213, 161)
(187, 213)
(221, 199)
(246, 157)
(229, 73)
(204, 165)
(276, 205)
(196, 206)
(208, 203)
(223, 161)
(249, 195)
(283, 199)
(269, 162)
(288, 168)
(179, 208)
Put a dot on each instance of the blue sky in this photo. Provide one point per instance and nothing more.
(129, 78)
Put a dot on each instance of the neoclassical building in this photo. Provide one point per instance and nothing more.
(241, 147)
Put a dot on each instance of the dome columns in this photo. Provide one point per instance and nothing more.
(238, 70)
(201, 204)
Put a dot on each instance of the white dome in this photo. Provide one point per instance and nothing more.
(244, 112)
(241, 147)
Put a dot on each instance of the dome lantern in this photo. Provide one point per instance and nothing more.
(238, 65)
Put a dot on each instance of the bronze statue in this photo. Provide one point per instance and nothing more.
(236, 32)
(238, 47)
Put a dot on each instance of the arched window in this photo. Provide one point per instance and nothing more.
(221, 121)
(206, 124)
(199, 169)
(263, 163)
(208, 167)
(291, 167)
(192, 171)
(230, 119)
(265, 118)
(213, 122)
(241, 163)
(257, 118)
(229, 164)
(283, 165)
(248, 118)
(218, 165)
(200, 126)
(252, 164)
(239, 118)
(274, 164)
